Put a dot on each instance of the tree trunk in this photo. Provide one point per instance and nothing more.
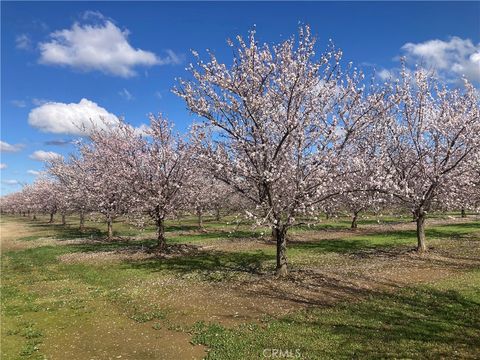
(34, 217)
(51, 218)
(82, 221)
(217, 214)
(200, 219)
(161, 242)
(421, 247)
(110, 228)
(327, 215)
(464, 214)
(354, 220)
(281, 239)
(64, 220)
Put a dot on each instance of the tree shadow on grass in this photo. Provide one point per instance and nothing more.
(223, 235)
(66, 232)
(385, 239)
(411, 322)
(437, 322)
(102, 245)
(325, 246)
(207, 262)
(180, 227)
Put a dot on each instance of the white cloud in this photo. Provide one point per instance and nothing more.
(23, 42)
(452, 59)
(103, 47)
(75, 119)
(158, 95)
(6, 147)
(3, 166)
(10, 182)
(172, 58)
(384, 74)
(143, 130)
(34, 172)
(60, 142)
(89, 14)
(38, 102)
(18, 103)
(125, 94)
(41, 155)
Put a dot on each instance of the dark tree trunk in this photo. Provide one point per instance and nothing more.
(217, 214)
(354, 220)
(161, 242)
(327, 215)
(24, 214)
(34, 217)
(200, 218)
(464, 214)
(281, 239)
(82, 221)
(51, 218)
(64, 220)
(110, 228)
(421, 246)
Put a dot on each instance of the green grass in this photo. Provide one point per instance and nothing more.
(415, 322)
(40, 293)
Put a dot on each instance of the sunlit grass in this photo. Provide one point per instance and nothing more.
(40, 292)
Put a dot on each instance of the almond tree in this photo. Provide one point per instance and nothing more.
(158, 173)
(279, 124)
(207, 194)
(356, 202)
(430, 135)
(466, 194)
(99, 174)
(73, 177)
(43, 196)
(137, 174)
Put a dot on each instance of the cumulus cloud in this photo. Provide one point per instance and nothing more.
(41, 155)
(34, 172)
(73, 118)
(3, 166)
(23, 42)
(6, 147)
(452, 59)
(103, 47)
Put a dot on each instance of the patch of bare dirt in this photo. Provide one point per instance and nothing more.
(189, 301)
(100, 332)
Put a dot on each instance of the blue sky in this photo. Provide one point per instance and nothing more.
(55, 52)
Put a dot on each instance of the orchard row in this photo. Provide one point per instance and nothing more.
(287, 134)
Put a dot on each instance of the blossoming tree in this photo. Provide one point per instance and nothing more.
(430, 136)
(279, 124)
